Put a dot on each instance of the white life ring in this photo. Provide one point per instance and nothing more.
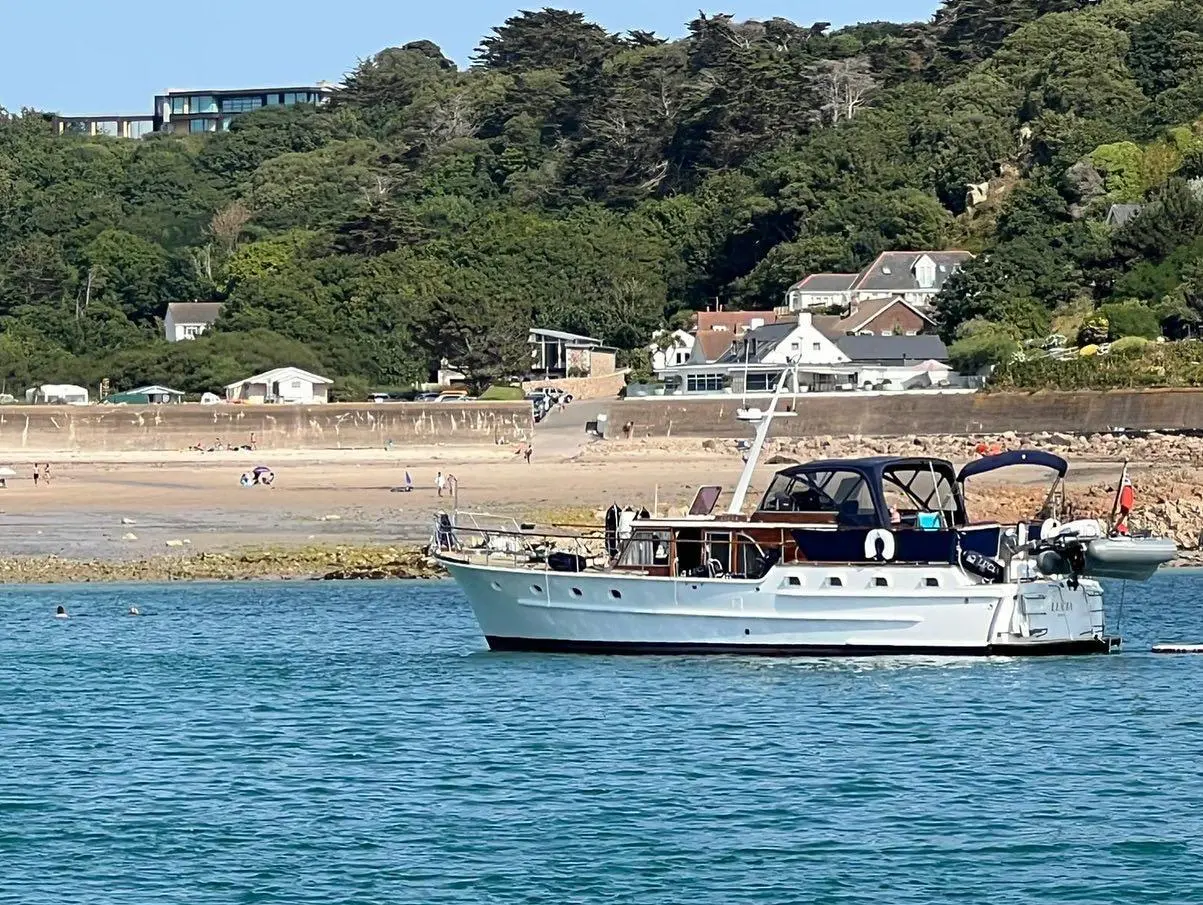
(1049, 527)
(887, 544)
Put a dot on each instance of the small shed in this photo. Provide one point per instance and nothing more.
(151, 395)
(57, 394)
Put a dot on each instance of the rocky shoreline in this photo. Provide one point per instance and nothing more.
(339, 563)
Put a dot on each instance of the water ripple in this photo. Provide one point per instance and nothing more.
(326, 743)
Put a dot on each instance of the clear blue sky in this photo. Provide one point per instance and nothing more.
(113, 56)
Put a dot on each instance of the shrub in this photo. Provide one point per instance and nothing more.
(1129, 345)
(982, 348)
(1130, 318)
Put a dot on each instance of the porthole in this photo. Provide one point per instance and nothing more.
(535, 589)
(576, 592)
(616, 594)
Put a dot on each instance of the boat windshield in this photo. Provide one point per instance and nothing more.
(912, 489)
(832, 491)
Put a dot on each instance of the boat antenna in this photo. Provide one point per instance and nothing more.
(762, 432)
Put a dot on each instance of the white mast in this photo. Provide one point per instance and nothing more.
(762, 432)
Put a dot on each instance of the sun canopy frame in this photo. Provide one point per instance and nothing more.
(986, 464)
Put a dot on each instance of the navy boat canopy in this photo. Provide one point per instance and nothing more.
(1015, 457)
(855, 490)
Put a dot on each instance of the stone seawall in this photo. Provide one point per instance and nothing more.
(896, 414)
(109, 428)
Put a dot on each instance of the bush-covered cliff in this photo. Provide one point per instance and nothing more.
(604, 183)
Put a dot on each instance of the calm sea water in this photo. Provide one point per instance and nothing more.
(355, 743)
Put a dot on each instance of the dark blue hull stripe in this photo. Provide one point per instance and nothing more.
(1047, 649)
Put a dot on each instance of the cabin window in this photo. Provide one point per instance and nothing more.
(931, 582)
(646, 548)
(880, 581)
(751, 560)
(834, 581)
(717, 551)
(839, 492)
(794, 581)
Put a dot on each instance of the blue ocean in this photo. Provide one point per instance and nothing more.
(356, 743)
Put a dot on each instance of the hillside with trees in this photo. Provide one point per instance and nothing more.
(610, 184)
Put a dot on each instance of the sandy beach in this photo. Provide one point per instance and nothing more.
(139, 505)
(103, 508)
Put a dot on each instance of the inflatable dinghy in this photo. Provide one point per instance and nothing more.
(1128, 558)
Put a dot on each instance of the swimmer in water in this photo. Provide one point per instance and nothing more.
(61, 612)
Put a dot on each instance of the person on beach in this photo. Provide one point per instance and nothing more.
(61, 612)
(452, 485)
(46, 473)
(440, 482)
(528, 452)
(37, 473)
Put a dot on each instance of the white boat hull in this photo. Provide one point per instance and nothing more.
(793, 610)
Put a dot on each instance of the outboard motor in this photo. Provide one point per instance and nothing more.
(982, 566)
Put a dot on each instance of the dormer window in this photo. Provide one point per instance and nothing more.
(925, 272)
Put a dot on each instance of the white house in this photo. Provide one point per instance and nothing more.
(188, 320)
(286, 386)
(821, 290)
(57, 394)
(755, 362)
(670, 349)
(914, 276)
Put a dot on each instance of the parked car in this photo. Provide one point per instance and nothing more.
(555, 395)
(540, 404)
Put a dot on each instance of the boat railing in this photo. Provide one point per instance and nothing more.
(482, 536)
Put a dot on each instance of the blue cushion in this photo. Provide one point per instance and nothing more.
(928, 521)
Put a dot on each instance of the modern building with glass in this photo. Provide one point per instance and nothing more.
(179, 112)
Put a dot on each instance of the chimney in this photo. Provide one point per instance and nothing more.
(804, 319)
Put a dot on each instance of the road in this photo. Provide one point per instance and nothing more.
(561, 435)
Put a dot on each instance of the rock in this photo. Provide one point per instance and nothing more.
(330, 518)
(710, 445)
(175, 543)
(129, 535)
(1059, 439)
(128, 521)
